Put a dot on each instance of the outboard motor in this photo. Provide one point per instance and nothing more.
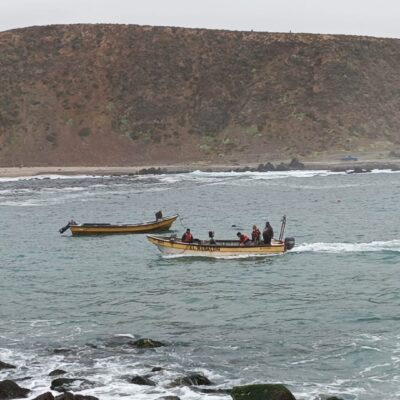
(211, 236)
(64, 228)
(289, 243)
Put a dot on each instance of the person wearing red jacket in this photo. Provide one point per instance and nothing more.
(255, 235)
(187, 237)
(243, 239)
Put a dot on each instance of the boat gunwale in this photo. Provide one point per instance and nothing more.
(142, 224)
(161, 240)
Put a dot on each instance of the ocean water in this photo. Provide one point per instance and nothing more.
(322, 319)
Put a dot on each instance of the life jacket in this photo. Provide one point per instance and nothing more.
(256, 234)
(187, 237)
(244, 239)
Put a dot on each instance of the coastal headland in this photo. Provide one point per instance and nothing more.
(121, 96)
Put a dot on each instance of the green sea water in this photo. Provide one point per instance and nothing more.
(323, 319)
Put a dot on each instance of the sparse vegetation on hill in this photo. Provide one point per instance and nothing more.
(132, 95)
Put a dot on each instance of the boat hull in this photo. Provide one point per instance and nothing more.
(171, 246)
(109, 229)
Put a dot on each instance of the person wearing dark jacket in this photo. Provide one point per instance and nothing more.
(187, 237)
(268, 233)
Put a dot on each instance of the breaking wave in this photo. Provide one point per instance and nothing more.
(51, 177)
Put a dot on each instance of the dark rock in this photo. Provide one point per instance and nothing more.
(61, 351)
(63, 384)
(45, 396)
(262, 392)
(152, 171)
(4, 365)
(146, 343)
(169, 398)
(57, 372)
(142, 380)
(333, 398)
(282, 167)
(10, 390)
(213, 391)
(266, 167)
(71, 396)
(191, 380)
(156, 369)
(296, 164)
(244, 169)
(65, 396)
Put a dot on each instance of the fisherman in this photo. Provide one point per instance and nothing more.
(268, 233)
(187, 237)
(255, 235)
(243, 239)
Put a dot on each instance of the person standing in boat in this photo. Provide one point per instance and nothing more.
(243, 239)
(255, 235)
(187, 237)
(268, 233)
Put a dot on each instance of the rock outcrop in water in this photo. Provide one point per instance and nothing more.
(146, 343)
(10, 390)
(45, 396)
(141, 95)
(142, 380)
(262, 392)
(191, 380)
(57, 372)
(4, 365)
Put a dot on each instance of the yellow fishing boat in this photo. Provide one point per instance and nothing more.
(162, 223)
(218, 248)
(221, 248)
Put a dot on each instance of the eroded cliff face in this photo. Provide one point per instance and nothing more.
(131, 95)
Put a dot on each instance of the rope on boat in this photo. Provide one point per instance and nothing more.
(180, 220)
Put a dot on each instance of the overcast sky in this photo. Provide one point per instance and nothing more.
(357, 17)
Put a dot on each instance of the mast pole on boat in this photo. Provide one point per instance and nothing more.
(283, 225)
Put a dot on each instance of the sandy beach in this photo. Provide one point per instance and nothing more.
(13, 172)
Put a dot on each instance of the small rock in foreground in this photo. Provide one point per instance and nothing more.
(57, 372)
(262, 392)
(71, 396)
(10, 390)
(4, 365)
(45, 396)
(146, 343)
(169, 398)
(142, 380)
(191, 380)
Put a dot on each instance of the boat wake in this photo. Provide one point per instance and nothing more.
(376, 246)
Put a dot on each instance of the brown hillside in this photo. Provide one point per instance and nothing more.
(132, 95)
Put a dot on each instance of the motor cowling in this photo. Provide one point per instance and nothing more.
(289, 243)
(64, 228)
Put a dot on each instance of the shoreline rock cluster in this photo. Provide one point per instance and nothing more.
(293, 165)
(198, 382)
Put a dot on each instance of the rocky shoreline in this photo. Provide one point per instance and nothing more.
(67, 384)
(293, 165)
